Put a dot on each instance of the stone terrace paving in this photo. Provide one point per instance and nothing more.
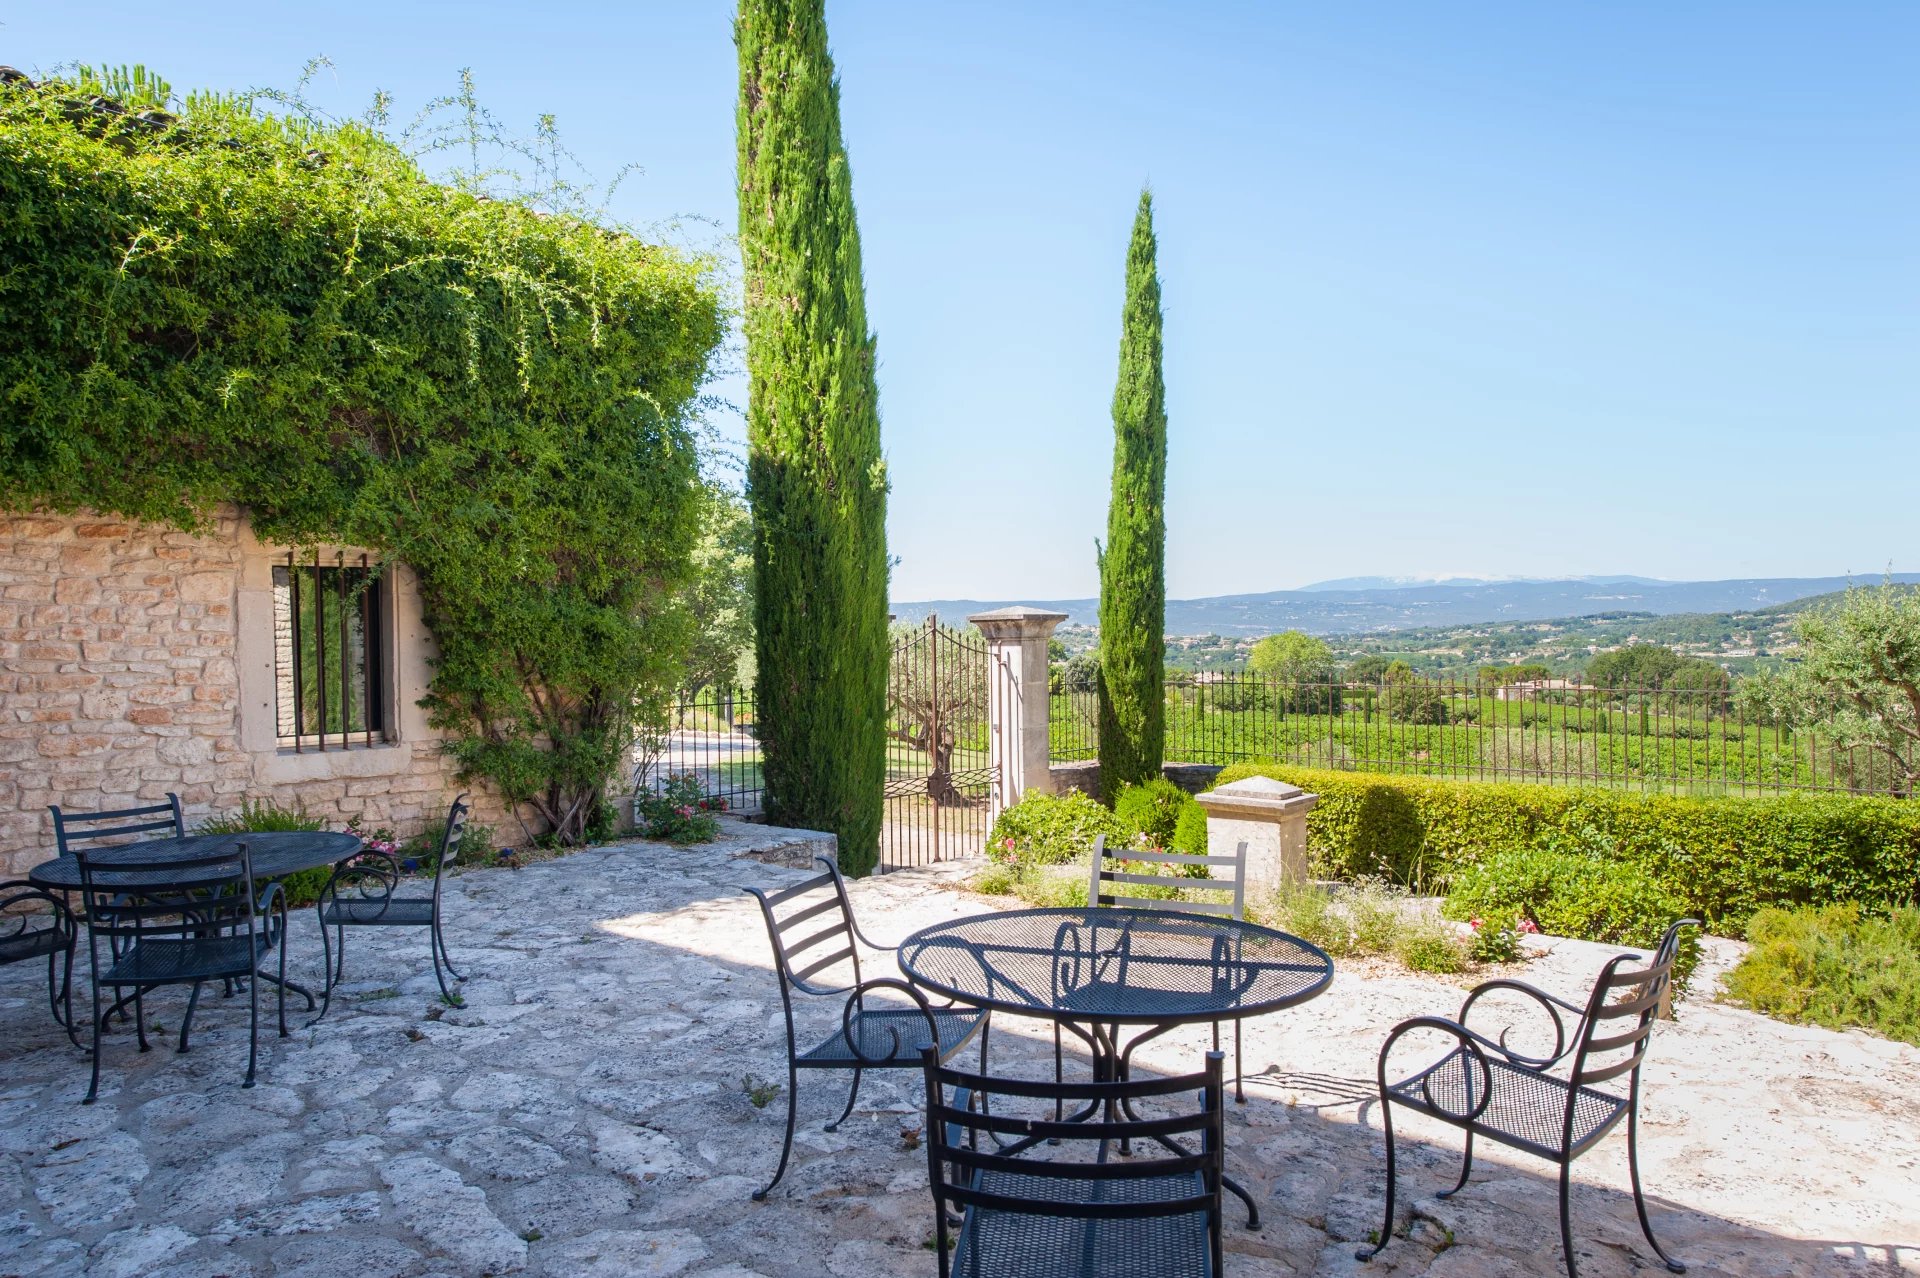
(584, 1115)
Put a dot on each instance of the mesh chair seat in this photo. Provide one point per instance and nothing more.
(1022, 1245)
(377, 912)
(196, 959)
(876, 1030)
(1526, 1110)
(36, 942)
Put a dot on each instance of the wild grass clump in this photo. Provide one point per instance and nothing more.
(1368, 920)
(1834, 966)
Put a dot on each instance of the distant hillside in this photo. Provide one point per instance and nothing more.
(1461, 603)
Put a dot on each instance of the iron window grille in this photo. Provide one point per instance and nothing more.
(332, 664)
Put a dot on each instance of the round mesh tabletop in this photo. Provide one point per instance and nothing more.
(1125, 965)
(276, 854)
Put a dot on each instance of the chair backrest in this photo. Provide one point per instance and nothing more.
(965, 1170)
(1620, 1013)
(450, 837)
(167, 898)
(75, 830)
(1226, 880)
(811, 927)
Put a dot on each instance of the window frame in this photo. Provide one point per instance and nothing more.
(377, 673)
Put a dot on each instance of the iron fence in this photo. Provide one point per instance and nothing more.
(711, 733)
(1670, 740)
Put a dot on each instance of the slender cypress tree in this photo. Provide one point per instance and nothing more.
(814, 471)
(1133, 575)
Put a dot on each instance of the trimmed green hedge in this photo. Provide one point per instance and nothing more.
(1728, 857)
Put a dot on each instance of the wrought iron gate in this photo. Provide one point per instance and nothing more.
(940, 777)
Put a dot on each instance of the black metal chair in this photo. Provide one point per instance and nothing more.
(1075, 1212)
(812, 929)
(73, 831)
(27, 933)
(362, 892)
(1230, 901)
(1489, 1089)
(180, 921)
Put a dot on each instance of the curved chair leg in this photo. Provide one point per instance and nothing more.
(326, 970)
(1639, 1199)
(282, 988)
(1466, 1166)
(786, 1148)
(433, 948)
(853, 1095)
(1386, 1228)
(140, 1018)
(186, 1021)
(253, 1027)
(1566, 1219)
(93, 1088)
(440, 939)
(66, 994)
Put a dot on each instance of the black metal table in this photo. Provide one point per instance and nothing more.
(275, 853)
(1152, 970)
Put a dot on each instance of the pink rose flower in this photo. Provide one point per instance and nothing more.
(1528, 925)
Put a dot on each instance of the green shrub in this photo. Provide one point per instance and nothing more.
(1836, 967)
(1725, 857)
(1153, 808)
(1052, 829)
(1190, 831)
(1574, 886)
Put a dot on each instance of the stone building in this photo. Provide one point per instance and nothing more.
(137, 660)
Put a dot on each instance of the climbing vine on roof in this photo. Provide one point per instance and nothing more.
(215, 303)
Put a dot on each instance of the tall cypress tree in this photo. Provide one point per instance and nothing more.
(1133, 575)
(814, 471)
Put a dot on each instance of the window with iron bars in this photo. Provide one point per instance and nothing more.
(331, 660)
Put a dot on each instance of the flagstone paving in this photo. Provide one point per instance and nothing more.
(587, 1113)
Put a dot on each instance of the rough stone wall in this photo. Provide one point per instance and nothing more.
(118, 683)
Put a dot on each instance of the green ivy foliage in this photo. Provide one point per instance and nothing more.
(1724, 857)
(289, 314)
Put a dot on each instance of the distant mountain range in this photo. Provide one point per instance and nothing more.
(1336, 607)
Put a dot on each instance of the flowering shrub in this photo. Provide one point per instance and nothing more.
(377, 840)
(1497, 942)
(680, 811)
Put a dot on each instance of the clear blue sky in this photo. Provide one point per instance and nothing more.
(1471, 288)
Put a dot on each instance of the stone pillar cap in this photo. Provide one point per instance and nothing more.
(1017, 622)
(1257, 797)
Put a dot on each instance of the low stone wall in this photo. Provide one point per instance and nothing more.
(1084, 776)
(129, 667)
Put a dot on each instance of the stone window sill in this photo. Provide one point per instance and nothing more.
(385, 758)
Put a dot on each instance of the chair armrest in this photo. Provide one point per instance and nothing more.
(1563, 1039)
(365, 866)
(854, 1006)
(18, 890)
(1475, 1045)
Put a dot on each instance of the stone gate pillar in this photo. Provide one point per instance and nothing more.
(1017, 701)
